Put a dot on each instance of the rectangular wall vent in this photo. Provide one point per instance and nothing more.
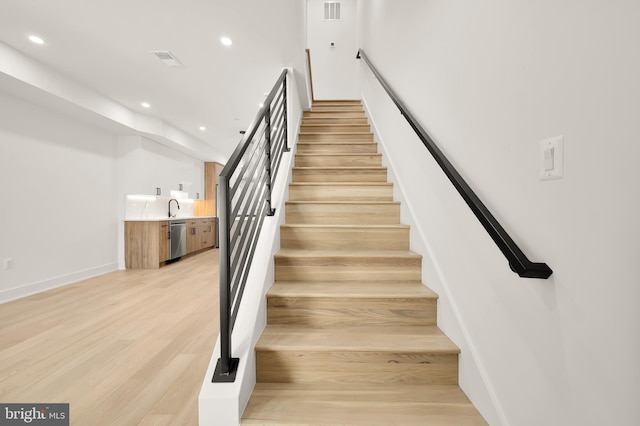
(332, 11)
(167, 58)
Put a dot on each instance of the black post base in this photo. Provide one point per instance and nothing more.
(230, 377)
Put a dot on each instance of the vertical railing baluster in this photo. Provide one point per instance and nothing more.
(227, 366)
(267, 147)
(284, 111)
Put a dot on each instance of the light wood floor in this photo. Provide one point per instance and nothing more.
(126, 348)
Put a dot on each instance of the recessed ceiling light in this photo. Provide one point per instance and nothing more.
(145, 104)
(260, 105)
(36, 40)
(226, 41)
(202, 128)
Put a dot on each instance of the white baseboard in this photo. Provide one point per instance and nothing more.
(11, 294)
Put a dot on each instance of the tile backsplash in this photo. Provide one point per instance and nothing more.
(155, 207)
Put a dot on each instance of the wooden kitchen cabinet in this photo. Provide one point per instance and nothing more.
(207, 207)
(193, 240)
(146, 244)
(163, 241)
(208, 233)
(200, 234)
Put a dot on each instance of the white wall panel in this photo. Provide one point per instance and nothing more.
(335, 69)
(489, 80)
(59, 215)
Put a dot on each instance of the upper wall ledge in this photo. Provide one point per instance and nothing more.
(26, 78)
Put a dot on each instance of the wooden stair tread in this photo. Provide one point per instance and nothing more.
(335, 173)
(321, 226)
(291, 253)
(321, 101)
(331, 128)
(338, 112)
(342, 154)
(340, 183)
(342, 174)
(355, 202)
(335, 133)
(346, 168)
(337, 143)
(415, 338)
(334, 107)
(348, 212)
(351, 289)
(357, 404)
(329, 125)
(329, 118)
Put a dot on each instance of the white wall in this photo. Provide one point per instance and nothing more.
(146, 165)
(489, 80)
(334, 69)
(58, 213)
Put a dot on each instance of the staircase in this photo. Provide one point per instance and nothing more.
(351, 334)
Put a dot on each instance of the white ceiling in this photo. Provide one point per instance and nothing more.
(104, 46)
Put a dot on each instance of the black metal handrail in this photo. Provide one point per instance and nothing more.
(518, 261)
(244, 200)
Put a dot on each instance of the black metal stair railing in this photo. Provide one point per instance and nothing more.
(244, 200)
(518, 261)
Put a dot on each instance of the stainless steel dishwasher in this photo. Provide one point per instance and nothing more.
(177, 238)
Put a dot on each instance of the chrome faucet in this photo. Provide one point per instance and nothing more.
(177, 203)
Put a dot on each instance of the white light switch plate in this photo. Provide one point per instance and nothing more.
(8, 263)
(552, 158)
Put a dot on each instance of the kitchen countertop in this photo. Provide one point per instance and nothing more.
(161, 219)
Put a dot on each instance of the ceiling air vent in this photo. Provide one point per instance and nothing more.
(167, 58)
(332, 11)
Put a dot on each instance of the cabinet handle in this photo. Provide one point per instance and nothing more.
(168, 235)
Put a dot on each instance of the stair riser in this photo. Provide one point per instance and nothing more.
(336, 102)
(336, 148)
(356, 367)
(339, 121)
(339, 175)
(370, 160)
(355, 214)
(311, 128)
(336, 137)
(319, 108)
(332, 114)
(330, 312)
(340, 193)
(347, 273)
(344, 238)
(348, 269)
(363, 405)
